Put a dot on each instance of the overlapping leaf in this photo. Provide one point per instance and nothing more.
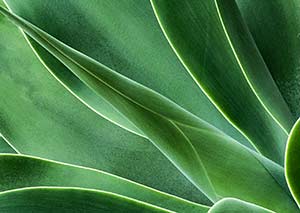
(67, 199)
(34, 172)
(62, 175)
(180, 136)
(213, 43)
(41, 118)
(70, 200)
(230, 205)
(145, 109)
(141, 112)
(275, 27)
(129, 41)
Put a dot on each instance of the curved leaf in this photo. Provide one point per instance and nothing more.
(145, 109)
(231, 205)
(275, 28)
(292, 160)
(129, 41)
(182, 137)
(213, 43)
(33, 172)
(53, 124)
(70, 200)
(242, 173)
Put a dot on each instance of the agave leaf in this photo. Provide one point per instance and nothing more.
(152, 113)
(211, 40)
(130, 42)
(51, 199)
(292, 159)
(275, 27)
(67, 199)
(231, 168)
(52, 124)
(164, 124)
(231, 205)
(57, 174)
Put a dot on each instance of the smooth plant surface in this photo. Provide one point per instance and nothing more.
(149, 106)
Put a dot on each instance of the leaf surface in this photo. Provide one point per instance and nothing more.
(186, 140)
(292, 159)
(53, 124)
(5, 147)
(231, 205)
(70, 200)
(213, 43)
(129, 41)
(34, 172)
(141, 107)
(275, 27)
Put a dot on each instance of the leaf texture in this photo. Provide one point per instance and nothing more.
(68, 131)
(141, 108)
(275, 27)
(175, 125)
(34, 172)
(231, 205)
(69, 200)
(5, 147)
(130, 42)
(216, 48)
(292, 159)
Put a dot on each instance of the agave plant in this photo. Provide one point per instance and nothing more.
(150, 106)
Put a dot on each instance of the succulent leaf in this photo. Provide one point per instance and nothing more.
(194, 101)
(119, 43)
(51, 199)
(51, 173)
(275, 27)
(162, 127)
(292, 159)
(51, 123)
(214, 42)
(231, 205)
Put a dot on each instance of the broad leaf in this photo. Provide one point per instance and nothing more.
(292, 162)
(51, 123)
(275, 27)
(33, 172)
(231, 205)
(216, 48)
(125, 36)
(186, 140)
(67, 200)
(154, 115)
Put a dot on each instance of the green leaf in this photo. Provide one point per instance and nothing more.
(5, 146)
(153, 114)
(186, 140)
(231, 168)
(275, 27)
(231, 205)
(292, 161)
(33, 172)
(129, 41)
(211, 40)
(66, 200)
(53, 124)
